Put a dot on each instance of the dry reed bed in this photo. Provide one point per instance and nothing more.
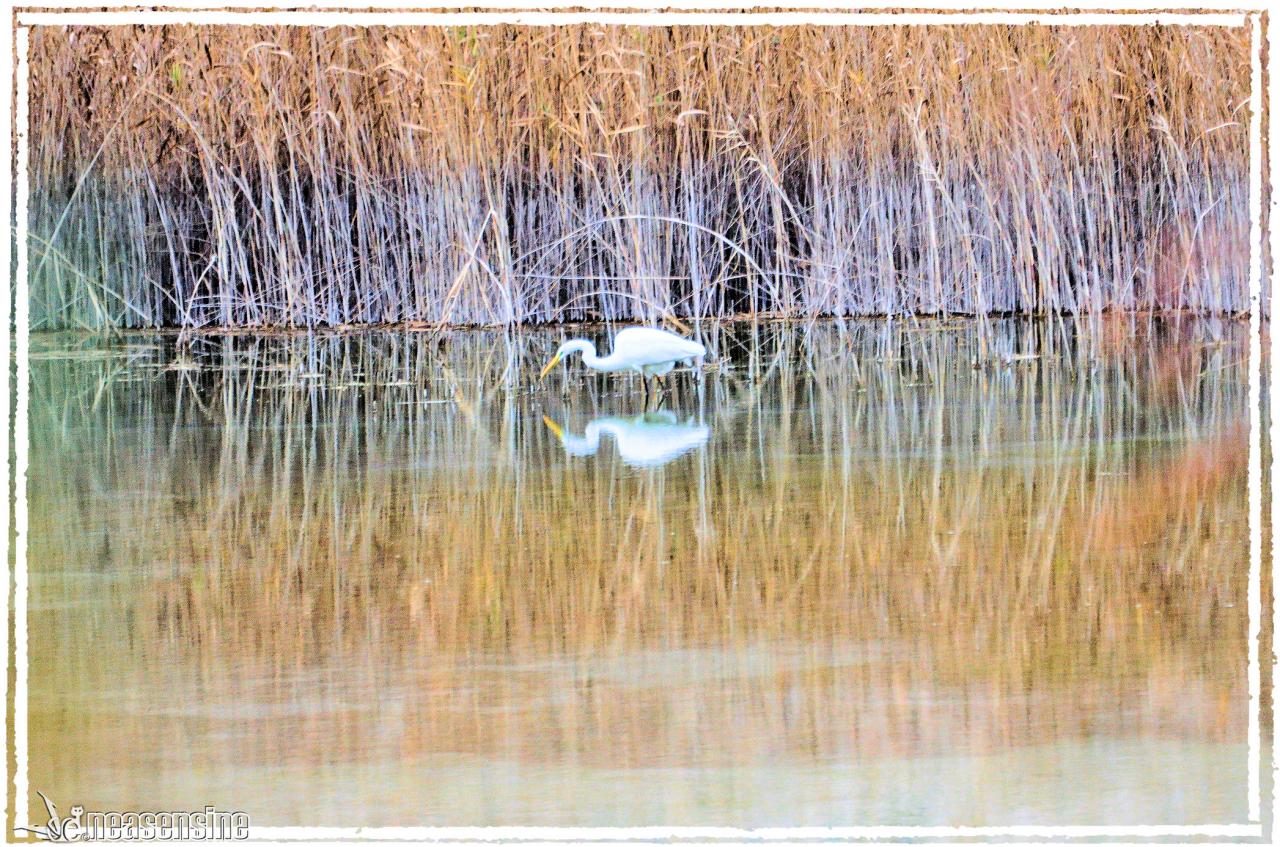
(903, 557)
(500, 175)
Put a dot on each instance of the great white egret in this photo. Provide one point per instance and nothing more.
(643, 441)
(647, 351)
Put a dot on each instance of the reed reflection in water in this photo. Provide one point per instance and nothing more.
(355, 579)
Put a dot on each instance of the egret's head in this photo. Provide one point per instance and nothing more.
(573, 345)
(555, 360)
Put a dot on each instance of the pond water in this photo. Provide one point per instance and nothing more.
(840, 577)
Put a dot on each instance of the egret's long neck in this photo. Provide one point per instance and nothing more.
(582, 445)
(589, 442)
(588, 350)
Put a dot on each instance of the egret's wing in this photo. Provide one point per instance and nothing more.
(648, 445)
(643, 345)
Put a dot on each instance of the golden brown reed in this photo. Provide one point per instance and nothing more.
(498, 175)
(881, 552)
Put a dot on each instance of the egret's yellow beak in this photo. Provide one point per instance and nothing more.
(553, 426)
(555, 360)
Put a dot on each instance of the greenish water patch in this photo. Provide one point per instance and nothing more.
(841, 576)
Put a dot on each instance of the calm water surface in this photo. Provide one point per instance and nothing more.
(841, 577)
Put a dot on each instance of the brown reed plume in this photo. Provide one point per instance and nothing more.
(302, 176)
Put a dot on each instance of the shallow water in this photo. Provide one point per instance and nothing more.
(841, 577)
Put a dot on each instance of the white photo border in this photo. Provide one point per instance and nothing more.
(16, 190)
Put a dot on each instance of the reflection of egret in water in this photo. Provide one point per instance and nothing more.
(644, 441)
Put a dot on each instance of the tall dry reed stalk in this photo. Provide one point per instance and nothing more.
(302, 176)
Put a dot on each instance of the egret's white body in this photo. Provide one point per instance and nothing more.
(645, 350)
(644, 441)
